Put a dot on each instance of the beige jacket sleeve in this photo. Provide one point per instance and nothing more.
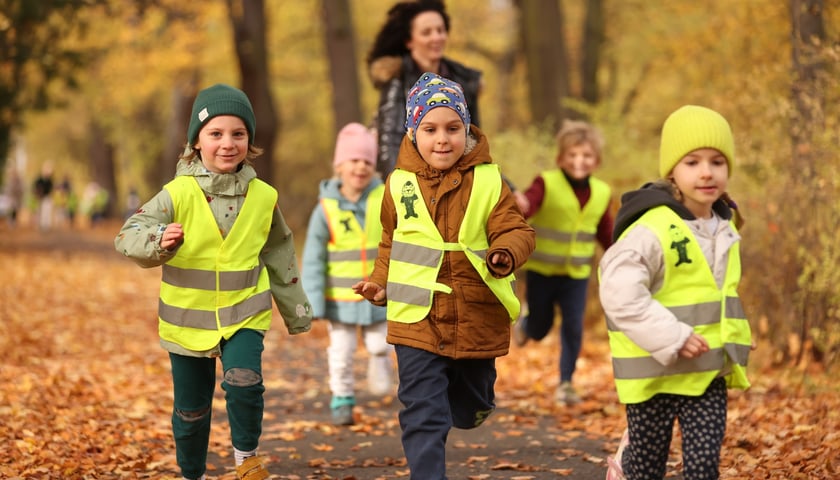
(631, 271)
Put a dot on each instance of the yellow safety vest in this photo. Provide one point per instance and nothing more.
(690, 292)
(215, 286)
(418, 248)
(352, 250)
(566, 233)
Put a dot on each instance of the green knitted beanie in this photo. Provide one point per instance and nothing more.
(218, 100)
(690, 128)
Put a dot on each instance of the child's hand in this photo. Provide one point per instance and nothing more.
(694, 346)
(521, 202)
(172, 237)
(500, 260)
(373, 292)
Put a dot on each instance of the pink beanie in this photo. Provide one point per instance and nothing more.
(355, 141)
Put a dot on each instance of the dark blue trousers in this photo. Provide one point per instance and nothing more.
(543, 293)
(439, 393)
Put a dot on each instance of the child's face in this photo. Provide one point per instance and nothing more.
(223, 143)
(355, 174)
(578, 161)
(441, 138)
(701, 177)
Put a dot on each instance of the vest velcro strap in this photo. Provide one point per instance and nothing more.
(206, 279)
(559, 236)
(415, 254)
(558, 259)
(647, 367)
(452, 247)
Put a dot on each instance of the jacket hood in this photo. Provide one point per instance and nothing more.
(384, 69)
(235, 183)
(654, 194)
(477, 152)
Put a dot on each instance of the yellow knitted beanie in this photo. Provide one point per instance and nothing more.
(690, 128)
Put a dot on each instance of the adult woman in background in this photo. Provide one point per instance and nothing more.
(412, 41)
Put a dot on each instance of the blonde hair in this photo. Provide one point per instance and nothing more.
(190, 154)
(576, 132)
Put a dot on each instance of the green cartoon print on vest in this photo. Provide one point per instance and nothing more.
(346, 223)
(409, 196)
(679, 242)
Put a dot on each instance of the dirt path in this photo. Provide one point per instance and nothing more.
(528, 437)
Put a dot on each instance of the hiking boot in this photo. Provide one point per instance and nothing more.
(342, 415)
(520, 338)
(252, 469)
(566, 394)
(614, 470)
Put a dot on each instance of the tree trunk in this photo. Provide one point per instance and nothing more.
(183, 96)
(249, 28)
(341, 56)
(808, 35)
(102, 165)
(541, 25)
(593, 41)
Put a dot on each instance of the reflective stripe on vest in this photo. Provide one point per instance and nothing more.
(690, 292)
(565, 231)
(352, 250)
(213, 286)
(418, 249)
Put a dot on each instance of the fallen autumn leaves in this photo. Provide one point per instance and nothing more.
(87, 391)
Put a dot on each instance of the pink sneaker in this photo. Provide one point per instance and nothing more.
(614, 470)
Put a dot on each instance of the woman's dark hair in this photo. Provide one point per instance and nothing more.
(396, 31)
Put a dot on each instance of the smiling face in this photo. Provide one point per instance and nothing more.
(578, 161)
(223, 143)
(355, 175)
(701, 176)
(441, 138)
(428, 37)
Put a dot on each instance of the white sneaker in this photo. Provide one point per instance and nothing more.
(614, 470)
(380, 376)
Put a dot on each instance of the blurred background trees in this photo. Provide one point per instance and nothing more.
(102, 89)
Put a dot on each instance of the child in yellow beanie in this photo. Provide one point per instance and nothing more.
(668, 286)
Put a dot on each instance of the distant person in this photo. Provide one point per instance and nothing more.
(340, 249)
(42, 189)
(452, 236)
(226, 251)
(669, 288)
(66, 202)
(14, 196)
(132, 202)
(412, 41)
(569, 209)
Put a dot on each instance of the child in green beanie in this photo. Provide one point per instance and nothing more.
(669, 288)
(225, 252)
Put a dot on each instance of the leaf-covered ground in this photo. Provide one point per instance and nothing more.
(86, 393)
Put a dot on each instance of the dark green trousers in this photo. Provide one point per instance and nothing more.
(194, 381)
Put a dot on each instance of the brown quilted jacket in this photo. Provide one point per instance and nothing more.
(470, 322)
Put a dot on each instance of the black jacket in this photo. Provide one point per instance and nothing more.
(393, 76)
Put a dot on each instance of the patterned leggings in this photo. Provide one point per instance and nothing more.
(651, 423)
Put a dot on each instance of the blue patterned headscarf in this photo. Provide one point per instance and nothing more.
(432, 91)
